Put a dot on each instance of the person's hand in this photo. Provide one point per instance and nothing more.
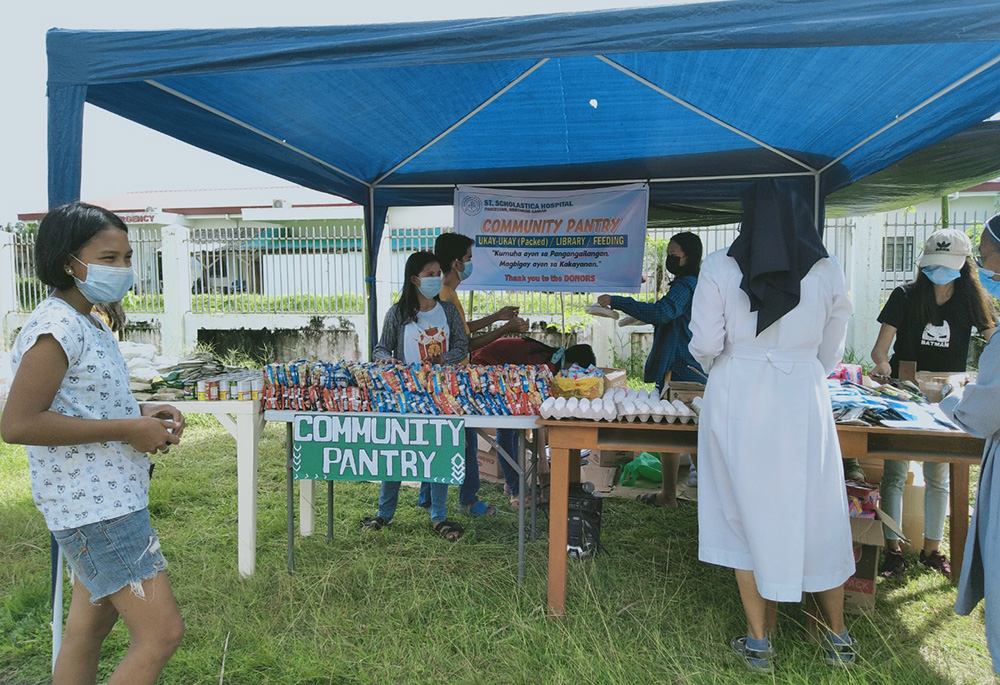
(150, 434)
(165, 411)
(882, 370)
(604, 300)
(507, 313)
(517, 325)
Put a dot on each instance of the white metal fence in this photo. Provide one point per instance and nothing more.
(903, 238)
(296, 268)
(194, 279)
(147, 262)
(304, 269)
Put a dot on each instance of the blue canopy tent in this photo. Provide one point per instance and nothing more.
(697, 100)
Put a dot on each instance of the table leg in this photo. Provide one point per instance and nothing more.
(290, 499)
(329, 511)
(520, 505)
(565, 465)
(248, 430)
(536, 454)
(959, 516)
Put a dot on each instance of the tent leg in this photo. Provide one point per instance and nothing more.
(57, 601)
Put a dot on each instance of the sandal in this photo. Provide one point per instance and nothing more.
(370, 523)
(650, 498)
(480, 508)
(449, 530)
(540, 502)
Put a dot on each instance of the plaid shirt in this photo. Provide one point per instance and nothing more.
(671, 319)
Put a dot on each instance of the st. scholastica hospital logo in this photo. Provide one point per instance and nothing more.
(472, 205)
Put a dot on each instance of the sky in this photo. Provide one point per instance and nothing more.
(120, 156)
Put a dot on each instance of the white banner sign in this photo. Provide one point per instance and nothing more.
(570, 241)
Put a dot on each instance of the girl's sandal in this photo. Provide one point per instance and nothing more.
(480, 508)
(449, 530)
(370, 523)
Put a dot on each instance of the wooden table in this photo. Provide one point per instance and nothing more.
(568, 437)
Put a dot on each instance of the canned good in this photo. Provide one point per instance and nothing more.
(223, 390)
(244, 392)
(212, 390)
(201, 391)
(256, 388)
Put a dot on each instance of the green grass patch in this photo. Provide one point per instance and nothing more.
(404, 606)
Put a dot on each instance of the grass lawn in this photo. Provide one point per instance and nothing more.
(403, 606)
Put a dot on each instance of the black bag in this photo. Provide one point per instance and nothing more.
(583, 534)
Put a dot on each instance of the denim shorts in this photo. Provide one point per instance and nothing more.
(109, 555)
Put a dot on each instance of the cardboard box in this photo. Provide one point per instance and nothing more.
(684, 391)
(610, 457)
(603, 477)
(859, 591)
(484, 444)
(913, 515)
(614, 378)
(489, 467)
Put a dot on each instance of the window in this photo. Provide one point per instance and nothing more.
(897, 253)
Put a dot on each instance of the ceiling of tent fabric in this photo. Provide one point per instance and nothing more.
(696, 99)
(956, 163)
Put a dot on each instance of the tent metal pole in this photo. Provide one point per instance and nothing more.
(252, 129)
(369, 274)
(819, 228)
(732, 177)
(701, 112)
(461, 121)
(915, 109)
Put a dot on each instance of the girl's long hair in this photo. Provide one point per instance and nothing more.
(969, 292)
(690, 243)
(409, 301)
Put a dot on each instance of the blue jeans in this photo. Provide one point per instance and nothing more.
(468, 492)
(936, 482)
(507, 440)
(388, 499)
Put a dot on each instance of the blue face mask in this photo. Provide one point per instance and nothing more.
(986, 278)
(105, 284)
(940, 275)
(430, 286)
(466, 271)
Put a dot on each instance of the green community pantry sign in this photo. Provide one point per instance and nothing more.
(369, 447)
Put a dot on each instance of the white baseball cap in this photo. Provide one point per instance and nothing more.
(948, 247)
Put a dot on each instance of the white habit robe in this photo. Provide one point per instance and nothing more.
(771, 496)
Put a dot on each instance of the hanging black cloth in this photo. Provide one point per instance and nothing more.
(777, 245)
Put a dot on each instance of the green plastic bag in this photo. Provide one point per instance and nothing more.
(645, 466)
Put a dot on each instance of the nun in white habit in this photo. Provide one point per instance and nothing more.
(768, 324)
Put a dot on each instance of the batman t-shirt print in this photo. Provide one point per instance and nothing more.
(941, 344)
